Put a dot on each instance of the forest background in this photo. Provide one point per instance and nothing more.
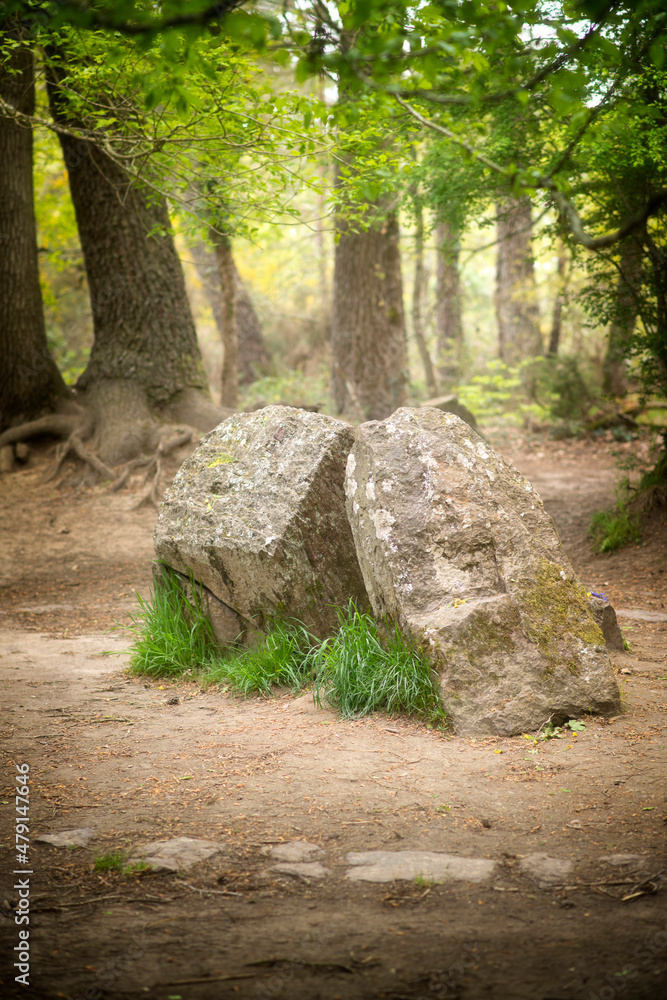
(371, 203)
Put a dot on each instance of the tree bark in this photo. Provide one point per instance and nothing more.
(614, 369)
(229, 379)
(369, 361)
(30, 382)
(417, 304)
(145, 360)
(449, 323)
(517, 311)
(254, 359)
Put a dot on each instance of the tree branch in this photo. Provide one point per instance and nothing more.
(543, 182)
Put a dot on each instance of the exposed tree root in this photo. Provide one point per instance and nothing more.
(76, 427)
(154, 462)
(76, 445)
(58, 424)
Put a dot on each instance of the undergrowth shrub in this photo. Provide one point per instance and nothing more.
(357, 671)
(615, 528)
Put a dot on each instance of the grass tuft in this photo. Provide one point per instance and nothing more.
(110, 861)
(358, 673)
(171, 633)
(614, 529)
(279, 659)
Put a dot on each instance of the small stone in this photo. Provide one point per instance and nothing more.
(621, 860)
(69, 838)
(22, 451)
(176, 854)
(173, 701)
(304, 870)
(385, 866)
(545, 870)
(605, 616)
(295, 850)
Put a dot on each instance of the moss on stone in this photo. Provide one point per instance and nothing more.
(554, 606)
(485, 636)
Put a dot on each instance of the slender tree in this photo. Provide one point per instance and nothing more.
(229, 378)
(418, 294)
(449, 321)
(557, 314)
(368, 330)
(517, 310)
(254, 358)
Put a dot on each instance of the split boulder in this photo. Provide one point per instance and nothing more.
(257, 515)
(456, 547)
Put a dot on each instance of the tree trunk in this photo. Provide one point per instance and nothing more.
(30, 382)
(145, 360)
(417, 303)
(368, 331)
(448, 305)
(254, 359)
(557, 316)
(614, 370)
(229, 379)
(517, 311)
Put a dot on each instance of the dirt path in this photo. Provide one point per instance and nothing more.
(137, 763)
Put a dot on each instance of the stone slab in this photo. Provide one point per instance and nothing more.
(385, 866)
(642, 616)
(545, 870)
(305, 870)
(69, 838)
(177, 854)
(295, 850)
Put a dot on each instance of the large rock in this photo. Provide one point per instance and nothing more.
(457, 548)
(257, 514)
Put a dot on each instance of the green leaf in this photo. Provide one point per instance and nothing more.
(657, 53)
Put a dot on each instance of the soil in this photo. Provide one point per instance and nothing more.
(138, 762)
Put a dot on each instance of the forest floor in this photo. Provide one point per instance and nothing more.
(138, 762)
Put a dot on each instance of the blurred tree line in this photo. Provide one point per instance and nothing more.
(392, 133)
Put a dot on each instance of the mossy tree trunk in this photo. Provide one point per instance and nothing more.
(369, 363)
(30, 382)
(145, 363)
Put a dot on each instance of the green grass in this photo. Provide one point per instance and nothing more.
(171, 634)
(613, 529)
(356, 671)
(110, 861)
(279, 659)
